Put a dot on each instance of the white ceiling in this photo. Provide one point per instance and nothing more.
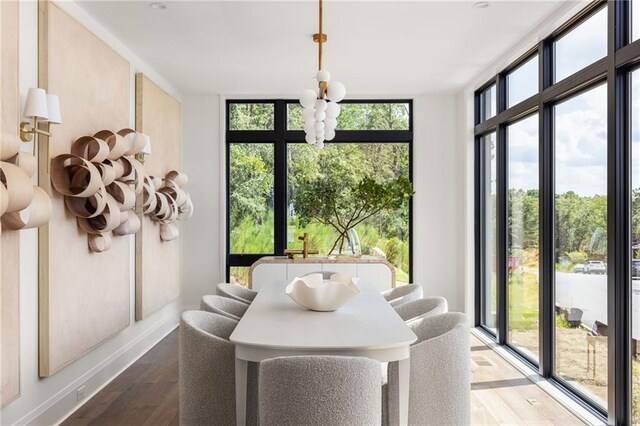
(383, 48)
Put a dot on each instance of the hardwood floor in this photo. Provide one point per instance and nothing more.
(147, 393)
(500, 394)
(144, 394)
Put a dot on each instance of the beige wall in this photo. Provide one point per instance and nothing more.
(47, 401)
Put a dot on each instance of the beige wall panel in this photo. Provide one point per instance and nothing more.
(157, 262)
(84, 296)
(9, 316)
(9, 240)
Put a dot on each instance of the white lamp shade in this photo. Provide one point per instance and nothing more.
(36, 104)
(308, 98)
(147, 146)
(53, 105)
(336, 91)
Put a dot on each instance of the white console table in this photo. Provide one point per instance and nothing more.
(374, 270)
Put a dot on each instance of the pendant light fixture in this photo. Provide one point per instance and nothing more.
(321, 107)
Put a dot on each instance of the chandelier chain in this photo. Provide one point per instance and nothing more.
(321, 35)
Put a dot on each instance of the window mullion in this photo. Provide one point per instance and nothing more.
(618, 218)
(546, 233)
(280, 179)
(501, 221)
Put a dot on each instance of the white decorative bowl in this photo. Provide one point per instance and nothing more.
(313, 293)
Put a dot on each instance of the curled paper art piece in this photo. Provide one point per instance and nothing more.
(99, 242)
(9, 146)
(18, 185)
(4, 199)
(26, 161)
(117, 144)
(92, 149)
(37, 213)
(100, 181)
(22, 204)
(135, 141)
(165, 201)
(130, 225)
(169, 231)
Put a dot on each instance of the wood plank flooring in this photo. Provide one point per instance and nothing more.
(147, 393)
(500, 394)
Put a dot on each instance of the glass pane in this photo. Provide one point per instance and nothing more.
(251, 116)
(522, 82)
(635, 248)
(581, 242)
(239, 275)
(251, 197)
(335, 173)
(522, 235)
(489, 279)
(488, 103)
(359, 116)
(581, 46)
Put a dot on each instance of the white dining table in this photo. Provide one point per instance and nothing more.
(275, 326)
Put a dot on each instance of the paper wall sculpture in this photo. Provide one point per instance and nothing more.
(22, 204)
(166, 201)
(100, 180)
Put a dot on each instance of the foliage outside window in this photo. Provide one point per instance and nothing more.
(347, 172)
(360, 116)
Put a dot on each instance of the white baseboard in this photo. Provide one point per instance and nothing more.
(64, 403)
(190, 308)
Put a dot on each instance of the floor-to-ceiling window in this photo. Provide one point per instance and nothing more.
(489, 275)
(557, 191)
(272, 173)
(580, 225)
(523, 197)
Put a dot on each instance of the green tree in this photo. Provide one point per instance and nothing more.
(251, 182)
(344, 207)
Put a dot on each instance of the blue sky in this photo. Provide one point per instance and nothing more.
(580, 132)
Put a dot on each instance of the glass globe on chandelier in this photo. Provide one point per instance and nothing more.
(321, 108)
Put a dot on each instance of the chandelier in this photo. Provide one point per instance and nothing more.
(320, 105)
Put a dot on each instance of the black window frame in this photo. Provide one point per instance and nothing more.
(623, 56)
(280, 137)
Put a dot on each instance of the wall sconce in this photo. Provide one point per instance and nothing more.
(41, 107)
(145, 151)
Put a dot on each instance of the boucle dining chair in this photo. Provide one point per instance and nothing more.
(230, 308)
(403, 294)
(237, 292)
(319, 390)
(426, 307)
(440, 389)
(207, 371)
